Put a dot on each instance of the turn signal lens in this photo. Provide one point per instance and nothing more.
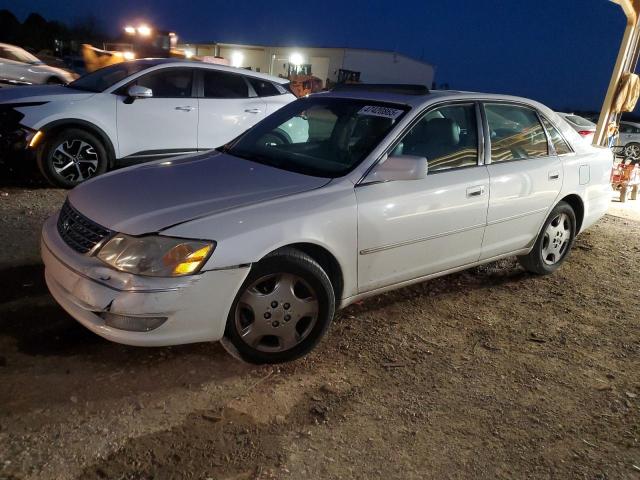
(192, 261)
(36, 139)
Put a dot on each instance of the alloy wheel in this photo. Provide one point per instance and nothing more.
(632, 151)
(557, 238)
(276, 312)
(75, 160)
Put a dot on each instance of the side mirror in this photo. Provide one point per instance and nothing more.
(399, 167)
(137, 91)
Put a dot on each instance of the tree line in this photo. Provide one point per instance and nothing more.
(37, 34)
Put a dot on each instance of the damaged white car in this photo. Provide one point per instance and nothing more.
(333, 198)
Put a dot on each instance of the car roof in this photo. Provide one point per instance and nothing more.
(153, 62)
(361, 93)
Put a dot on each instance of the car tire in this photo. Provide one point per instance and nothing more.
(554, 242)
(282, 310)
(71, 157)
(632, 151)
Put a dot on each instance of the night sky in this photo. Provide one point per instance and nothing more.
(560, 52)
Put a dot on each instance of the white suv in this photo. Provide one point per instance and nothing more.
(132, 112)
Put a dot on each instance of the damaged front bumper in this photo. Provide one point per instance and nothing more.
(112, 304)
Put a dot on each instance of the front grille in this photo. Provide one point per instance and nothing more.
(78, 231)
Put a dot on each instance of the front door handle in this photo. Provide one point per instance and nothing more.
(554, 175)
(475, 191)
(186, 108)
(252, 110)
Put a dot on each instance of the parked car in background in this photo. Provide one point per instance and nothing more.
(132, 112)
(629, 140)
(586, 128)
(19, 67)
(259, 242)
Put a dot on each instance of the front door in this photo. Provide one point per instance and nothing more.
(409, 229)
(163, 125)
(526, 177)
(228, 107)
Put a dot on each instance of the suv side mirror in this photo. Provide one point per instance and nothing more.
(399, 167)
(137, 91)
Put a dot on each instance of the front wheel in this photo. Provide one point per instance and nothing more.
(282, 310)
(554, 241)
(71, 157)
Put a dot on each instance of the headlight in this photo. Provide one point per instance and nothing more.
(156, 256)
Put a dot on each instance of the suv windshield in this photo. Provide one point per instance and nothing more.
(319, 136)
(104, 78)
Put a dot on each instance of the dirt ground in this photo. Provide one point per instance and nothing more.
(490, 373)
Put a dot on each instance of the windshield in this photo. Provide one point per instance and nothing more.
(319, 136)
(106, 77)
(18, 55)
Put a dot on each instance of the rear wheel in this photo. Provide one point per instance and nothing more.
(71, 157)
(554, 242)
(282, 310)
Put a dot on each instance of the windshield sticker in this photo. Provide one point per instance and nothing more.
(378, 111)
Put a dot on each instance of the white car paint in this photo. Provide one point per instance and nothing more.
(17, 66)
(585, 127)
(148, 128)
(382, 235)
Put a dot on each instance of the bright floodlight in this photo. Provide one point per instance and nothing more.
(129, 29)
(188, 53)
(296, 59)
(128, 55)
(144, 30)
(236, 59)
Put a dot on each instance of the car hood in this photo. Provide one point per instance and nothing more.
(41, 93)
(151, 197)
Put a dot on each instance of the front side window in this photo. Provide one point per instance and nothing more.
(559, 143)
(515, 132)
(106, 77)
(447, 137)
(324, 137)
(224, 85)
(168, 83)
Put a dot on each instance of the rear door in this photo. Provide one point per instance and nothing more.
(274, 95)
(525, 174)
(163, 125)
(409, 229)
(228, 107)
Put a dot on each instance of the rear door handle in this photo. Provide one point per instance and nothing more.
(252, 110)
(554, 175)
(475, 191)
(186, 108)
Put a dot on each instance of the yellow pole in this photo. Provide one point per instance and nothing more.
(626, 55)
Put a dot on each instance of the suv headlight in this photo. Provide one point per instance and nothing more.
(156, 256)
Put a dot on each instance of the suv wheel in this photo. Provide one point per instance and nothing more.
(554, 241)
(282, 310)
(71, 157)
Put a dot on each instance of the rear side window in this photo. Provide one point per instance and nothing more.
(559, 143)
(263, 88)
(224, 85)
(168, 82)
(516, 133)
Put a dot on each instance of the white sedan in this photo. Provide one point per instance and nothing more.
(333, 198)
